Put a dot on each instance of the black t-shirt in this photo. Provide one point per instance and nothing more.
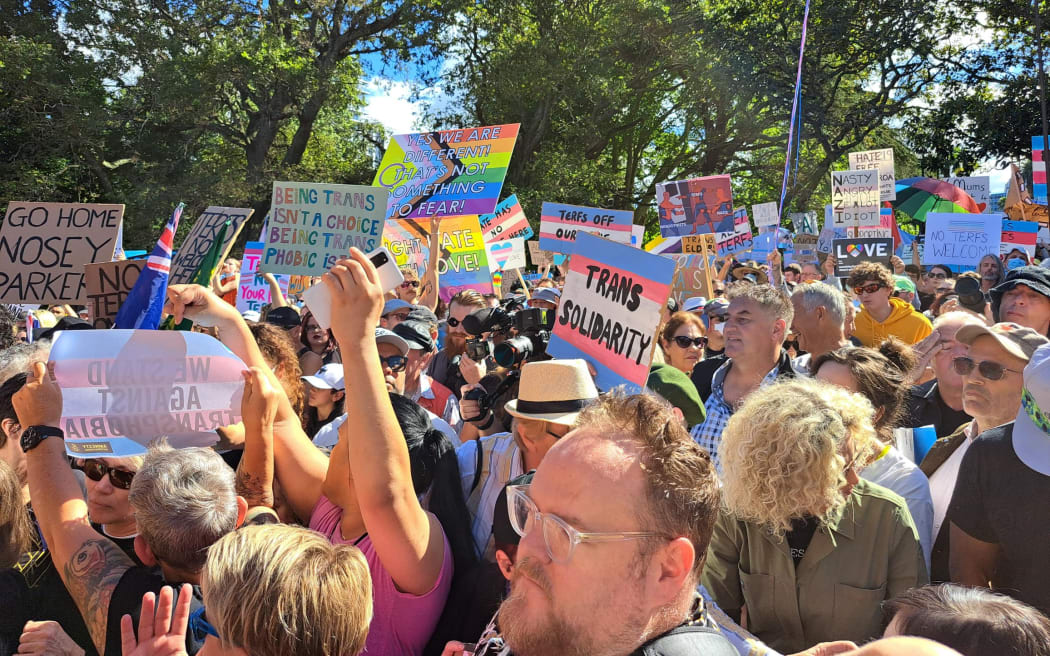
(800, 535)
(999, 499)
(127, 600)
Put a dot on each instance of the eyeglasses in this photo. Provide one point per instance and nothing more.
(96, 469)
(870, 288)
(395, 362)
(685, 342)
(988, 369)
(937, 276)
(560, 538)
(409, 283)
(200, 627)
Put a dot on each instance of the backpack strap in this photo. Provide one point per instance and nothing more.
(477, 465)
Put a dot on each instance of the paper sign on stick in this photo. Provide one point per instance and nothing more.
(698, 244)
(805, 249)
(538, 256)
(851, 252)
(108, 284)
(884, 227)
(253, 292)
(1019, 234)
(978, 187)
(610, 308)
(462, 264)
(560, 224)
(123, 388)
(878, 160)
(446, 172)
(507, 222)
(44, 247)
(312, 225)
(695, 207)
(765, 214)
(804, 222)
(689, 279)
(506, 254)
(854, 198)
(196, 244)
(961, 239)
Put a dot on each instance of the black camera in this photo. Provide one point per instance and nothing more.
(478, 348)
(526, 332)
(487, 400)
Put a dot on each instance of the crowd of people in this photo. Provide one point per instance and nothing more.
(817, 466)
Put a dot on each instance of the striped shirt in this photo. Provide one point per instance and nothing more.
(501, 460)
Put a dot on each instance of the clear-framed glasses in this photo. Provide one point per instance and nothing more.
(561, 538)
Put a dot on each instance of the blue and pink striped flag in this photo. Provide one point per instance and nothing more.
(145, 302)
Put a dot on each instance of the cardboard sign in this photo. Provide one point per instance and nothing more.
(737, 241)
(805, 249)
(878, 160)
(446, 172)
(506, 254)
(297, 285)
(123, 388)
(851, 252)
(560, 224)
(312, 225)
(108, 284)
(1019, 234)
(462, 264)
(609, 311)
(884, 228)
(695, 207)
(507, 222)
(253, 292)
(854, 198)
(698, 244)
(44, 247)
(691, 278)
(765, 214)
(961, 239)
(978, 187)
(804, 222)
(196, 244)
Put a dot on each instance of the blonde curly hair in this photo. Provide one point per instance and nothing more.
(782, 450)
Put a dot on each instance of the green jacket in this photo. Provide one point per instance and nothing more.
(867, 554)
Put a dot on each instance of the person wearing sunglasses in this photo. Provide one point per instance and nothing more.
(445, 368)
(881, 316)
(394, 312)
(108, 482)
(683, 341)
(991, 393)
(928, 282)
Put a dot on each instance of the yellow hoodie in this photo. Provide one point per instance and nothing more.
(904, 323)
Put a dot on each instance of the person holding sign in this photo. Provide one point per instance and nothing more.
(881, 316)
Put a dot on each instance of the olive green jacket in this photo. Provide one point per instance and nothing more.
(868, 553)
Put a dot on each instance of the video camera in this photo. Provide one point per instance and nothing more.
(526, 332)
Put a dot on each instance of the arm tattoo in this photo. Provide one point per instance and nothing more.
(91, 575)
(254, 489)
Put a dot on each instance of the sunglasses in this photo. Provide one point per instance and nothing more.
(870, 288)
(685, 342)
(395, 362)
(96, 469)
(988, 369)
(453, 322)
(400, 316)
(937, 276)
(409, 283)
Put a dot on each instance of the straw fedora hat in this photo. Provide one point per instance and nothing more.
(554, 391)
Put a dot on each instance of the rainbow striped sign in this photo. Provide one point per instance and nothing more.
(463, 262)
(610, 309)
(447, 172)
(507, 222)
(561, 224)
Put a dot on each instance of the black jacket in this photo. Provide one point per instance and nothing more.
(704, 372)
(924, 407)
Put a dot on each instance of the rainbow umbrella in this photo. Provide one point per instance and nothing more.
(917, 196)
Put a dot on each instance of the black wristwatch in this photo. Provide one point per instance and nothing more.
(34, 435)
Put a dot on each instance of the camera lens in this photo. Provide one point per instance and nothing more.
(379, 259)
(512, 351)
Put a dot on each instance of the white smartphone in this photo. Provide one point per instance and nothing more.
(319, 300)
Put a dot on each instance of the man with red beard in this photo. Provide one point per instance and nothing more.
(444, 368)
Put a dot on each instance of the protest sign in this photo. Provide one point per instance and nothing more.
(878, 160)
(737, 241)
(187, 259)
(695, 207)
(978, 187)
(765, 214)
(506, 254)
(637, 235)
(698, 244)
(253, 292)
(538, 256)
(297, 285)
(610, 308)
(313, 224)
(1038, 171)
(107, 285)
(883, 228)
(462, 263)
(854, 198)
(507, 222)
(560, 224)
(961, 239)
(691, 278)
(763, 245)
(805, 249)
(44, 247)
(123, 388)
(827, 236)
(1019, 234)
(446, 172)
(408, 247)
(805, 221)
(851, 252)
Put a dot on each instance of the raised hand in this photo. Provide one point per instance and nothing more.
(46, 639)
(198, 304)
(260, 400)
(159, 634)
(357, 298)
(39, 402)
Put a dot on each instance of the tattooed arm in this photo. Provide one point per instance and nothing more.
(89, 564)
(259, 409)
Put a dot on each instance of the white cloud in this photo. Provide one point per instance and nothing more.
(997, 177)
(390, 103)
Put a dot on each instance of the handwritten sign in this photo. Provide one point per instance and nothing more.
(610, 308)
(462, 263)
(507, 222)
(877, 160)
(446, 172)
(739, 240)
(506, 254)
(692, 244)
(884, 227)
(765, 214)
(108, 284)
(297, 285)
(854, 198)
(695, 207)
(253, 292)
(804, 222)
(560, 224)
(827, 237)
(204, 231)
(690, 278)
(851, 252)
(1020, 235)
(44, 247)
(312, 225)
(123, 388)
(978, 187)
(805, 249)
(961, 239)
(538, 256)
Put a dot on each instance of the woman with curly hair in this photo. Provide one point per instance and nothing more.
(806, 546)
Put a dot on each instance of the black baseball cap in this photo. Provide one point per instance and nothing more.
(416, 333)
(1033, 277)
(283, 317)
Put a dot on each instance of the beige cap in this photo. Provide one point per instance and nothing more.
(1018, 341)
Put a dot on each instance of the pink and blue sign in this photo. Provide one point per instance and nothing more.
(560, 225)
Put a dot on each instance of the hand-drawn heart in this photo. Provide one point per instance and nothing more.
(500, 252)
(981, 206)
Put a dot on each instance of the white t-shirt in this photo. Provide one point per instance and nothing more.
(942, 483)
(898, 474)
